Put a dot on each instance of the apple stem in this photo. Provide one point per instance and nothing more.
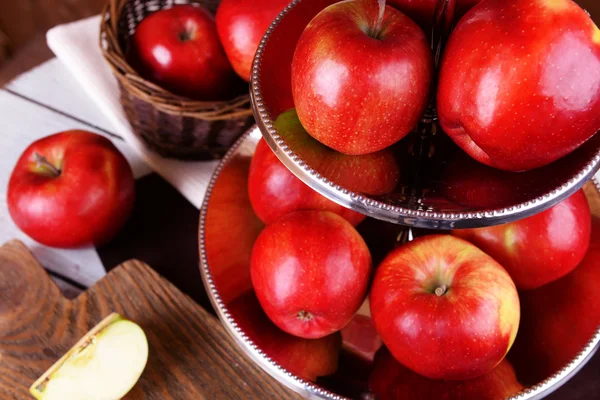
(189, 32)
(441, 290)
(304, 316)
(378, 27)
(43, 162)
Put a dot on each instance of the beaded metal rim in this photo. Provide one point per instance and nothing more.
(309, 389)
(297, 384)
(384, 211)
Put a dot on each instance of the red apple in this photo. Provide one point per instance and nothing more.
(360, 84)
(310, 271)
(275, 191)
(241, 25)
(179, 49)
(372, 174)
(559, 319)
(423, 11)
(390, 380)
(519, 85)
(71, 189)
(306, 358)
(473, 185)
(444, 308)
(230, 219)
(538, 249)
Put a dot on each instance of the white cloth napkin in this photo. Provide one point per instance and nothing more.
(77, 46)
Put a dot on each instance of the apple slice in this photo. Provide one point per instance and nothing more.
(104, 365)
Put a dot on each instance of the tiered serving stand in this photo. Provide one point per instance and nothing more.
(435, 186)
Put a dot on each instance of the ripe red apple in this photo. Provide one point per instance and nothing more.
(241, 25)
(310, 271)
(444, 308)
(360, 84)
(474, 185)
(179, 49)
(519, 85)
(373, 174)
(559, 319)
(390, 380)
(538, 249)
(306, 358)
(469, 183)
(423, 11)
(230, 219)
(274, 191)
(71, 189)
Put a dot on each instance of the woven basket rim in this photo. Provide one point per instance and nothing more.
(165, 101)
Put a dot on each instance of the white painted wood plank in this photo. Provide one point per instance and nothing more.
(22, 123)
(53, 85)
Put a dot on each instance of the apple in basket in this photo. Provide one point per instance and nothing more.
(361, 76)
(519, 84)
(179, 49)
(274, 191)
(390, 380)
(241, 25)
(559, 319)
(538, 249)
(444, 308)
(310, 271)
(71, 189)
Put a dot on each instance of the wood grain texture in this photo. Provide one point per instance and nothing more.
(191, 355)
(33, 53)
(4, 47)
(23, 19)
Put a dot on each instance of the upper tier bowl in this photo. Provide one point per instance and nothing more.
(449, 190)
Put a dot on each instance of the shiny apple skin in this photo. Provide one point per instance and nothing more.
(355, 93)
(195, 67)
(88, 203)
(538, 249)
(274, 191)
(305, 358)
(241, 25)
(559, 319)
(461, 334)
(390, 380)
(373, 174)
(519, 85)
(310, 271)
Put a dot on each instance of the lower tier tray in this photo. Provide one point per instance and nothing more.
(318, 369)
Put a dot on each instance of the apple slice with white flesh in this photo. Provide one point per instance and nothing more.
(104, 365)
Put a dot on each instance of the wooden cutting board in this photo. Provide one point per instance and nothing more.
(191, 355)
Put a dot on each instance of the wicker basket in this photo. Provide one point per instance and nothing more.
(172, 125)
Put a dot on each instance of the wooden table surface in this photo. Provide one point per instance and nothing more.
(163, 229)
